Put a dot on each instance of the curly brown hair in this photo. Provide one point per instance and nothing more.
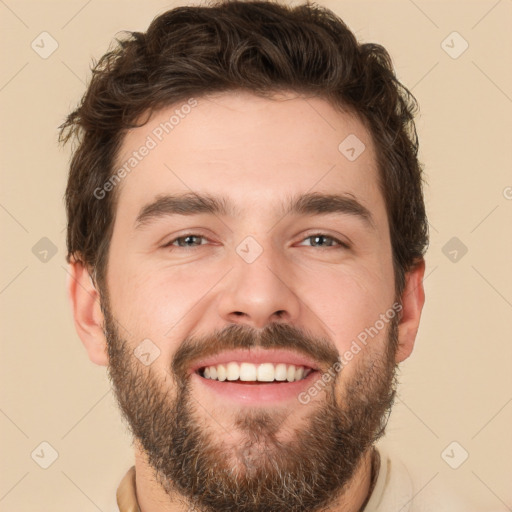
(258, 46)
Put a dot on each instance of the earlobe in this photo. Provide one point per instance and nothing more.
(87, 314)
(413, 299)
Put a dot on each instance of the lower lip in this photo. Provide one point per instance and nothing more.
(255, 393)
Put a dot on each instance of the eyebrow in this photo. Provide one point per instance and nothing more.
(191, 203)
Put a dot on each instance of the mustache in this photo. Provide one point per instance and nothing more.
(240, 336)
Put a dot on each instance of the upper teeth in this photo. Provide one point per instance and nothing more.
(265, 372)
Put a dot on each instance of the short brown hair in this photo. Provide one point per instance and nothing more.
(258, 46)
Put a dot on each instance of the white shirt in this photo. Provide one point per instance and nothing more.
(395, 491)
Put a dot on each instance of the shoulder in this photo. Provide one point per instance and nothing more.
(395, 489)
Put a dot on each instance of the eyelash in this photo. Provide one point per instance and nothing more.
(341, 245)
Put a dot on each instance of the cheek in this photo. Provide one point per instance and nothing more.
(349, 301)
(157, 303)
(147, 296)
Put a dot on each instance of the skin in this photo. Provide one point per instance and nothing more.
(254, 151)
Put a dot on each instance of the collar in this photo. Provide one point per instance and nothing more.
(126, 493)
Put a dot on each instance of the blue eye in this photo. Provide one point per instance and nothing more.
(317, 237)
(185, 238)
(189, 241)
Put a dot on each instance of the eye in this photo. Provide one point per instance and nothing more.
(192, 240)
(186, 241)
(319, 239)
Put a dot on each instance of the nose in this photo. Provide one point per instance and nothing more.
(260, 292)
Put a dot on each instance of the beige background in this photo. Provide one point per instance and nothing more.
(457, 385)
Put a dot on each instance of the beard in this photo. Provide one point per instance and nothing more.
(260, 473)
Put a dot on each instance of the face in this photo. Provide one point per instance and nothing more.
(225, 314)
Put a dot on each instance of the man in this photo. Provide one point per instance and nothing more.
(246, 232)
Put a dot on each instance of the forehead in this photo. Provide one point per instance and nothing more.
(251, 149)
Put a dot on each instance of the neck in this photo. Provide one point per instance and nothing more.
(153, 498)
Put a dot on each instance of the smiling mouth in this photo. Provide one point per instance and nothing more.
(249, 373)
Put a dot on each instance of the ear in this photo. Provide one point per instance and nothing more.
(87, 314)
(413, 298)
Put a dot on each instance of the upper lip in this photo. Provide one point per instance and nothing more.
(256, 356)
